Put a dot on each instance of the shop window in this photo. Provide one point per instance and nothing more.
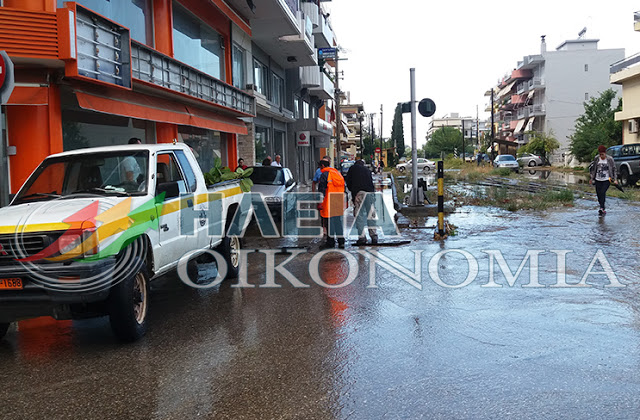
(196, 44)
(237, 57)
(261, 77)
(263, 143)
(206, 146)
(137, 15)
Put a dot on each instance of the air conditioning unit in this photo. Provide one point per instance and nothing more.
(633, 126)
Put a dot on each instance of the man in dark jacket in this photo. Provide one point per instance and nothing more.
(360, 182)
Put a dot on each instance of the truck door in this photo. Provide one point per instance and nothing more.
(171, 182)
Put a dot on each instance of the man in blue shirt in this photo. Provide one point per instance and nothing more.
(318, 174)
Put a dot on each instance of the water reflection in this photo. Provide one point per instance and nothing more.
(566, 178)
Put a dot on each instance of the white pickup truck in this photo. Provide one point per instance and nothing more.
(91, 228)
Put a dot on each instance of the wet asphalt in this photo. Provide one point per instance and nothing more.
(412, 347)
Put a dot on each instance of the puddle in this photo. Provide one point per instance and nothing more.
(565, 178)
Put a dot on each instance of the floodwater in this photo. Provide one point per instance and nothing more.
(415, 334)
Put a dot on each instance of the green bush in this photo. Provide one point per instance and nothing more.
(502, 172)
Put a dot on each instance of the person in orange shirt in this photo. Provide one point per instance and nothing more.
(332, 186)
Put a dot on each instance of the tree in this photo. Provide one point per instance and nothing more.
(447, 140)
(596, 126)
(397, 131)
(540, 144)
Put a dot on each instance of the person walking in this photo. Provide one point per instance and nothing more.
(602, 171)
(360, 182)
(331, 185)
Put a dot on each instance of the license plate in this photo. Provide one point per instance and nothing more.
(10, 284)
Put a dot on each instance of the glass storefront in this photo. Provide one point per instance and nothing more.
(206, 146)
(136, 15)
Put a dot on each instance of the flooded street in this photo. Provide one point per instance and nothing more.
(394, 343)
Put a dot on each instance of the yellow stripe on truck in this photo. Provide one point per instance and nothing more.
(39, 227)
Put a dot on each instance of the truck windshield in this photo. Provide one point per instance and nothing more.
(122, 173)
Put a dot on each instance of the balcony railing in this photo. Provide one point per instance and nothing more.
(323, 34)
(624, 63)
(523, 113)
(537, 110)
(536, 83)
(153, 67)
(326, 88)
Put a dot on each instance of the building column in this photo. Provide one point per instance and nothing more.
(36, 132)
(166, 133)
(163, 31)
(246, 145)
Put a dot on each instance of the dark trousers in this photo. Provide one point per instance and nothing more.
(334, 228)
(601, 191)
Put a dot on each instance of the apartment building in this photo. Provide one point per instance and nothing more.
(96, 73)
(231, 78)
(294, 92)
(472, 126)
(626, 73)
(546, 92)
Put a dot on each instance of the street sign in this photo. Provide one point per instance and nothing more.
(324, 53)
(426, 107)
(7, 81)
(304, 138)
(378, 150)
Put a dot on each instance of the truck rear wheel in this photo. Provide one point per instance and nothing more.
(624, 177)
(129, 305)
(230, 251)
(4, 327)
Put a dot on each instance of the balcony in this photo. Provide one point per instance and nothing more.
(535, 110)
(636, 21)
(536, 83)
(312, 11)
(520, 74)
(281, 29)
(151, 66)
(323, 34)
(523, 113)
(317, 126)
(518, 99)
(522, 88)
(325, 90)
(530, 62)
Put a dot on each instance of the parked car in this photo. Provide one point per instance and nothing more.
(627, 159)
(506, 161)
(345, 165)
(272, 182)
(424, 165)
(529, 159)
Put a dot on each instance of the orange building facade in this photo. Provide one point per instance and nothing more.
(96, 73)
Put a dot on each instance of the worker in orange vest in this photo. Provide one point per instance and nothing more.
(332, 186)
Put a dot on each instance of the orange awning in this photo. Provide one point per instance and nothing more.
(29, 95)
(151, 108)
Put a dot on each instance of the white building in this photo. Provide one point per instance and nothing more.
(546, 92)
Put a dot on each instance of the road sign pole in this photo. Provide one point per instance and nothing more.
(414, 147)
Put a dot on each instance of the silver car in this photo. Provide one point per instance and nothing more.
(506, 161)
(529, 159)
(272, 182)
(424, 165)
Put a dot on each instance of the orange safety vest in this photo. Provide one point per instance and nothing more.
(334, 202)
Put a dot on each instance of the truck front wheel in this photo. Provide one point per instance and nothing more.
(129, 305)
(230, 251)
(4, 327)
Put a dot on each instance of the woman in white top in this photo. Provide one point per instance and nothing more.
(603, 170)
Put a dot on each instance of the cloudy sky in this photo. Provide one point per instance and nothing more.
(459, 48)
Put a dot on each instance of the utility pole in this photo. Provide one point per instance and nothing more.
(381, 135)
(463, 141)
(415, 200)
(373, 142)
(337, 94)
(493, 125)
(477, 129)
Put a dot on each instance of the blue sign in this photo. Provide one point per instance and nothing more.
(324, 53)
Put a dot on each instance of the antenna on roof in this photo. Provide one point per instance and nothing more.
(582, 33)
